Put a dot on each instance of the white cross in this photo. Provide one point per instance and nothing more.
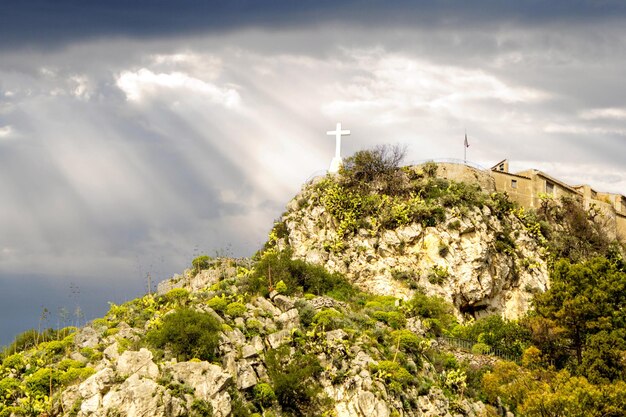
(338, 133)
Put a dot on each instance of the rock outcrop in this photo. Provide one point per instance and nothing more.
(132, 383)
(480, 262)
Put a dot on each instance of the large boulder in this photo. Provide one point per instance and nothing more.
(137, 363)
(208, 381)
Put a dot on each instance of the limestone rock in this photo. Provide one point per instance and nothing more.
(246, 377)
(277, 339)
(284, 303)
(139, 363)
(96, 383)
(465, 264)
(209, 383)
(266, 306)
(111, 352)
(139, 396)
(86, 337)
(369, 405)
(289, 319)
(166, 286)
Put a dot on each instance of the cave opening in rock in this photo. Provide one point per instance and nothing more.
(474, 311)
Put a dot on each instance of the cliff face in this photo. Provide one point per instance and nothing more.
(477, 254)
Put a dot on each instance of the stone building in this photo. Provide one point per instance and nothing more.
(528, 188)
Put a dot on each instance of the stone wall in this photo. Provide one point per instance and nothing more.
(621, 226)
(520, 189)
(464, 173)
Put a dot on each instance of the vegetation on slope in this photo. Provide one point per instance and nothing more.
(572, 346)
(570, 350)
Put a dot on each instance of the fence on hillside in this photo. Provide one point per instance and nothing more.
(474, 165)
(449, 161)
(467, 345)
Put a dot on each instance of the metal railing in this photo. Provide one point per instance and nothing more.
(470, 164)
(449, 161)
(467, 345)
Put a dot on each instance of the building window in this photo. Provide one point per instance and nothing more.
(549, 187)
(513, 183)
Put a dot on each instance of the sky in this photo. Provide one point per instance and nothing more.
(137, 135)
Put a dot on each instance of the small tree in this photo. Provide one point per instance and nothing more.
(378, 167)
(188, 334)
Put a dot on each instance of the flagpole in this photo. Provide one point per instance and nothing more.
(465, 149)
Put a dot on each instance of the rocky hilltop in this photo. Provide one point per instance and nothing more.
(382, 291)
(427, 233)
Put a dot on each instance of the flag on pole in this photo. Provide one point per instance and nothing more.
(466, 142)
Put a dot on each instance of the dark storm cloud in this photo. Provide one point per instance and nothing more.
(54, 294)
(52, 22)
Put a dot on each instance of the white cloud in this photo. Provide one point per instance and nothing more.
(144, 83)
(605, 113)
(81, 87)
(394, 86)
(5, 131)
(575, 129)
(205, 66)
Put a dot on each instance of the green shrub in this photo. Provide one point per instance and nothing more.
(481, 349)
(53, 348)
(66, 364)
(253, 327)
(508, 337)
(438, 275)
(201, 408)
(188, 334)
(9, 389)
(73, 375)
(382, 303)
(454, 225)
(264, 395)
(299, 276)
(409, 342)
(200, 263)
(295, 381)
(409, 276)
(218, 303)
(395, 376)
(100, 322)
(329, 319)
(436, 312)
(236, 309)
(24, 341)
(377, 167)
(394, 319)
(15, 361)
(176, 296)
(306, 312)
(87, 352)
(430, 169)
(42, 380)
(11, 411)
(281, 287)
